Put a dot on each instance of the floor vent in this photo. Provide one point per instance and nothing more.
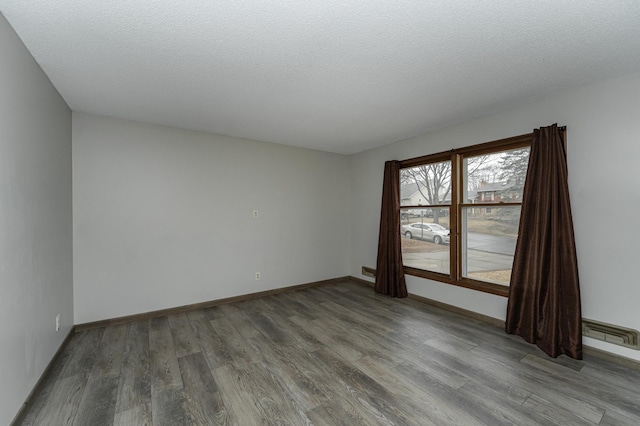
(611, 333)
(368, 272)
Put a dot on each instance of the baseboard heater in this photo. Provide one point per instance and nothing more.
(610, 333)
(368, 271)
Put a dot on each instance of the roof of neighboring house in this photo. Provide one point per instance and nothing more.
(408, 189)
(494, 186)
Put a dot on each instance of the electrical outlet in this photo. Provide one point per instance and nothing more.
(257, 276)
(256, 214)
(58, 322)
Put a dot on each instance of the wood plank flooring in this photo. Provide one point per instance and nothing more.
(332, 355)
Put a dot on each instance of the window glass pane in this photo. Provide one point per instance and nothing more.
(425, 239)
(429, 184)
(495, 178)
(488, 242)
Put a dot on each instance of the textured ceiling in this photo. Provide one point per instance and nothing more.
(339, 76)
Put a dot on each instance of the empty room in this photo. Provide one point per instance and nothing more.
(319, 212)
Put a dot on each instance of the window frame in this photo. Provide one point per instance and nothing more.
(456, 157)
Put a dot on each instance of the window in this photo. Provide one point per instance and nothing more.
(464, 229)
(426, 230)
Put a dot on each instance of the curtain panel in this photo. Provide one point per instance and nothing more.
(544, 296)
(389, 269)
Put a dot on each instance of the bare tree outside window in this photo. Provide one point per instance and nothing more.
(433, 180)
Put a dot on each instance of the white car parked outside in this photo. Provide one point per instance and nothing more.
(434, 232)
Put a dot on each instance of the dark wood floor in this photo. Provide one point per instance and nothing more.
(332, 355)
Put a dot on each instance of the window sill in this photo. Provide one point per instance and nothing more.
(485, 287)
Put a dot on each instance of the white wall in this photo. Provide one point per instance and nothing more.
(35, 222)
(603, 130)
(163, 217)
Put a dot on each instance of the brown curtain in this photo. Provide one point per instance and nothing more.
(389, 269)
(544, 297)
